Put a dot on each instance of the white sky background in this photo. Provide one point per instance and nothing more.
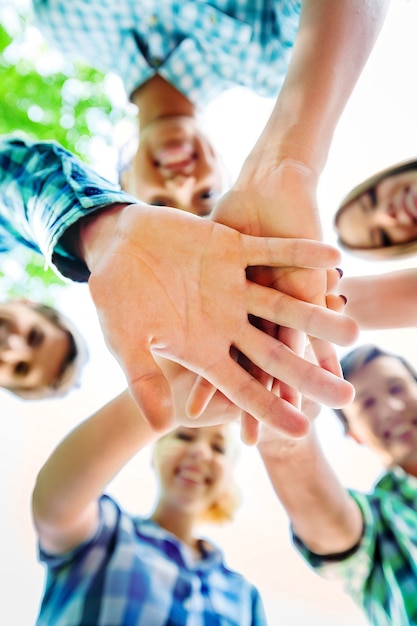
(377, 129)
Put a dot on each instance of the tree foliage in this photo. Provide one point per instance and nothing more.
(44, 96)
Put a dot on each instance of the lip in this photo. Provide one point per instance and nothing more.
(409, 204)
(176, 158)
(192, 474)
(402, 429)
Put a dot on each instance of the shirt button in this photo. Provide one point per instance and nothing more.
(156, 61)
(213, 19)
(153, 20)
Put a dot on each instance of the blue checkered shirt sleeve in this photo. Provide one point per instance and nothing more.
(44, 189)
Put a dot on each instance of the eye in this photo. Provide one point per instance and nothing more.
(368, 403)
(373, 197)
(395, 389)
(218, 447)
(369, 200)
(209, 194)
(385, 239)
(183, 436)
(160, 202)
(35, 337)
(21, 369)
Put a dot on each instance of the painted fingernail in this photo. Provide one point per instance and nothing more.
(343, 297)
(340, 271)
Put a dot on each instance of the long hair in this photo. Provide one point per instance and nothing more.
(406, 249)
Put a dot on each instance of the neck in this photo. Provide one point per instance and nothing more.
(157, 98)
(179, 524)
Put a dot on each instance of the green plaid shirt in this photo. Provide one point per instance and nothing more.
(380, 573)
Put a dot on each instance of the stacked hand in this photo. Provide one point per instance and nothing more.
(170, 284)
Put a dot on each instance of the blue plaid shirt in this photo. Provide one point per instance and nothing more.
(380, 574)
(200, 47)
(43, 190)
(135, 573)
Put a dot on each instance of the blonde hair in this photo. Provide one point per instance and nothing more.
(401, 250)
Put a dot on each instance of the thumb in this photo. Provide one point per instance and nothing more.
(151, 392)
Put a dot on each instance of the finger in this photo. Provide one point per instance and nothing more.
(278, 360)
(200, 395)
(312, 319)
(326, 356)
(333, 277)
(295, 340)
(280, 252)
(249, 429)
(310, 408)
(335, 302)
(251, 396)
(151, 391)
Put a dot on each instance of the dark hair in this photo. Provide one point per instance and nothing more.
(354, 360)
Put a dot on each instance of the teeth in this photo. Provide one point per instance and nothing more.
(191, 475)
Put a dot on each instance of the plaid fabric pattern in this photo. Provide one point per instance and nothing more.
(381, 573)
(43, 190)
(200, 47)
(134, 573)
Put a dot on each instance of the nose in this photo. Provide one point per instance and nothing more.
(15, 350)
(200, 450)
(181, 188)
(391, 406)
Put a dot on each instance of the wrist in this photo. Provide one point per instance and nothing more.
(95, 231)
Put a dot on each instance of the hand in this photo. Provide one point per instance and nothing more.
(278, 199)
(171, 284)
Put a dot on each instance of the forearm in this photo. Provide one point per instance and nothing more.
(333, 43)
(78, 471)
(322, 513)
(382, 301)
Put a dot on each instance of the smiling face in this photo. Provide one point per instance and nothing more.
(33, 349)
(383, 414)
(193, 467)
(383, 215)
(175, 165)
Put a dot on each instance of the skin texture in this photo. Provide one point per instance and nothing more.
(162, 295)
(383, 417)
(382, 301)
(32, 348)
(189, 297)
(382, 216)
(77, 472)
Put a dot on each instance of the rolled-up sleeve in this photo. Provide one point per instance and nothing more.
(44, 189)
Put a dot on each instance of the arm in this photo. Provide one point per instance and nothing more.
(161, 295)
(382, 301)
(322, 514)
(77, 472)
(275, 193)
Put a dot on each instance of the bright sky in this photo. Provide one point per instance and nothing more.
(377, 129)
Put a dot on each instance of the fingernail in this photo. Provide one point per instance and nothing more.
(340, 271)
(343, 297)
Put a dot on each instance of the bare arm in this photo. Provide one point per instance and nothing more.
(382, 301)
(322, 513)
(275, 193)
(77, 472)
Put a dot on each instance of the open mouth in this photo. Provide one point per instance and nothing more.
(409, 204)
(176, 159)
